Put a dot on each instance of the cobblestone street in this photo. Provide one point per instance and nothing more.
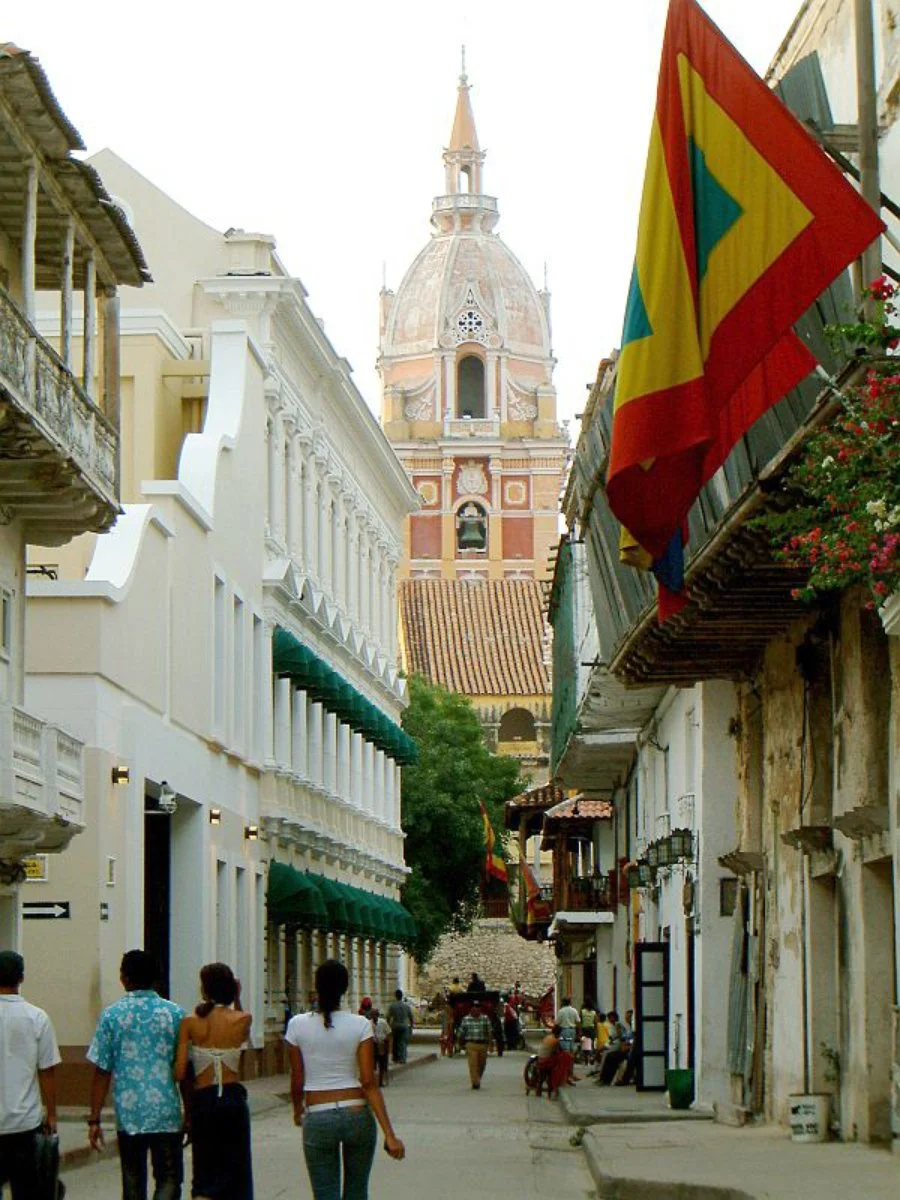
(458, 1142)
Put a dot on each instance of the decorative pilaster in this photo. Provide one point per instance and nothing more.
(283, 722)
(299, 719)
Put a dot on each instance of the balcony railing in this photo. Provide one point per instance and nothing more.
(42, 772)
(586, 893)
(47, 394)
(464, 201)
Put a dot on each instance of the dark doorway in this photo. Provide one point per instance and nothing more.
(651, 1018)
(158, 889)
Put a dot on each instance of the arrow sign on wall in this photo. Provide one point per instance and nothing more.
(50, 910)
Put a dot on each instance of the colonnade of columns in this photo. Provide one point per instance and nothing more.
(326, 753)
(374, 967)
(316, 517)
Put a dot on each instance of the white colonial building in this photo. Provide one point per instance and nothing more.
(59, 438)
(228, 651)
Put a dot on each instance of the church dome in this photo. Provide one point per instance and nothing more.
(467, 287)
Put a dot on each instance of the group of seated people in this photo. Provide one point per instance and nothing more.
(603, 1039)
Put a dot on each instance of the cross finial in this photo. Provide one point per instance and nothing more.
(462, 74)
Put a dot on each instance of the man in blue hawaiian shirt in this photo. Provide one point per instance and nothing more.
(135, 1044)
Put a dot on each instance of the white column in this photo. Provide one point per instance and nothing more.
(381, 787)
(314, 742)
(364, 610)
(283, 722)
(65, 295)
(29, 240)
(502, 397)
(89, 368)
(340, 553)
(356, 743)
(324, 528)
(271, 474)
(369, 767)
(266, 692)
(343, 755)
(329, 752)
(276, 476)
(294, 496)
(299, 734)
(310, 524)
(354, 564)
(395, 794)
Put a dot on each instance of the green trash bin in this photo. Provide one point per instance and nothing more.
(680, 1086)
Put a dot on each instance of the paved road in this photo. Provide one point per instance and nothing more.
(459, 1143)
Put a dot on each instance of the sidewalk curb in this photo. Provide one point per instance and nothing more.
(569, 1099)
(619, 1187)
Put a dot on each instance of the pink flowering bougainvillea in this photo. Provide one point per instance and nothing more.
(845, 525)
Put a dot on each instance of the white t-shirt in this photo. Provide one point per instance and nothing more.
(329, 1055)
(27, 1045)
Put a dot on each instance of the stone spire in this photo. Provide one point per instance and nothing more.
(464, 136)
(463, 163)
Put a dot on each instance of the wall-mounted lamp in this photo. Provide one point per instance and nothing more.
(251, 832)
(215, 816)
(121, 775)
(168, 798)
(653, 854)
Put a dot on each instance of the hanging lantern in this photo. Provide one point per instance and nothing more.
(653, 854)
(645, 873)
(682, 843)
(664, 856)
(633, 876)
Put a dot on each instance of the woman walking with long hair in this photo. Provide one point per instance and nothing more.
(336, 1097)
(212, 1040)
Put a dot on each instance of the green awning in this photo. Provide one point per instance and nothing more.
(333, 896)
(327, 686)
(293, 898)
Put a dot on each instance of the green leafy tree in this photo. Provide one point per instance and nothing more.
(441, 814)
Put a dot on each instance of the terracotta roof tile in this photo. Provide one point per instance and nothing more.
(579, 809)
(480, 639)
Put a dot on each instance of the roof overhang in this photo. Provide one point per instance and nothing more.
(578, 922)
(597, 762)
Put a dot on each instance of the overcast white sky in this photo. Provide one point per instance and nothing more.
(323, 123)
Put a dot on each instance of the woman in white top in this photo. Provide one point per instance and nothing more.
(335, 1093)
(212, 1040)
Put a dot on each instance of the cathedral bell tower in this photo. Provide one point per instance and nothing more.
(468, 400)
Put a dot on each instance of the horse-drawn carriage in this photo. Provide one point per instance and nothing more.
(458, 1006)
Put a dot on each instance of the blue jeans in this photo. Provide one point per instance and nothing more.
(401, 1041)
(329, 1134)
(166, 1158)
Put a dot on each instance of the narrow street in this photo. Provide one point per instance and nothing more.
(458, 1142)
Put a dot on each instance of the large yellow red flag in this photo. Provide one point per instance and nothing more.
(494, 865)
(744, 222)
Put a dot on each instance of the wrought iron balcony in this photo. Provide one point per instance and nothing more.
(586, 893)
(41, 784)
(58, 452)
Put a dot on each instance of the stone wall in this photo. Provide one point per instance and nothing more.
(497, 953)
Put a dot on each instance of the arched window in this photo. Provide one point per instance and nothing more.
(470, 387)
(471, 528)
(517, 725)
(465, 180)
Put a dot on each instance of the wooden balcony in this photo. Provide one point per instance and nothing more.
(58, 453)
(586, 893)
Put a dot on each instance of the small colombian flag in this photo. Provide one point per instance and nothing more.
(494, 866)
(744, 222)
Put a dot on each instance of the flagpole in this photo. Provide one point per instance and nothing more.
(867, 124)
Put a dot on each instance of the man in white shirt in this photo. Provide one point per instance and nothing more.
(568, 1019)
(28, 1058)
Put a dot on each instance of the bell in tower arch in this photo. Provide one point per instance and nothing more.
(471, 528)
